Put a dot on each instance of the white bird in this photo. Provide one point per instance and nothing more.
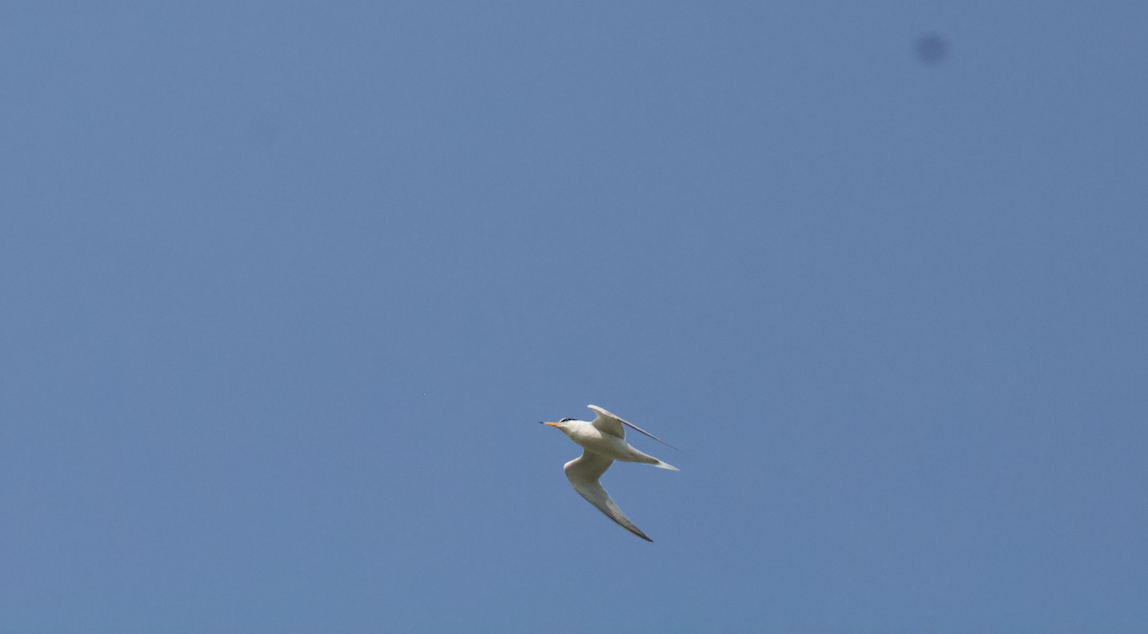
(604, 441)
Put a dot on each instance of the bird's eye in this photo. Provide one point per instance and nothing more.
(565, 419)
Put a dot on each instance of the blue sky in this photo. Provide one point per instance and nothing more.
(286, 287)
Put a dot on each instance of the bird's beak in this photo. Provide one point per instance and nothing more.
(553, 424)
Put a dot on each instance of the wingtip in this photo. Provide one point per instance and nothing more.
(637, 532)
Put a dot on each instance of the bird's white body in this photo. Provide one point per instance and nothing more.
(604, 441)
(586, 434)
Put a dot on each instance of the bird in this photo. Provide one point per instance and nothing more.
(603, 441)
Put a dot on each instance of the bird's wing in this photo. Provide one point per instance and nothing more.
(583, 473)
(608, 423)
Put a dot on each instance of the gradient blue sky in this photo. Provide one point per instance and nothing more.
(285, 288)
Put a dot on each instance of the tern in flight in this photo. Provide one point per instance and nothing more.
(604, 441)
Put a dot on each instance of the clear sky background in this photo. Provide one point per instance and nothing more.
(285, 289)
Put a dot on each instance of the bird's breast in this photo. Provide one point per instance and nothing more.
(604, 444)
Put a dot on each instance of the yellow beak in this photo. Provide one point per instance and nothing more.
(553, 424)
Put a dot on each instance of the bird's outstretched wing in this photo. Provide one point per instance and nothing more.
(608, 423)
(583, 473)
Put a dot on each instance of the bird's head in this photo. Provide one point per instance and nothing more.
(560, 424)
